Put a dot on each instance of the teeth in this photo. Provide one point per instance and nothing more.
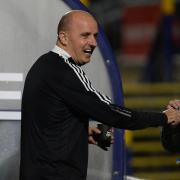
(87, 51)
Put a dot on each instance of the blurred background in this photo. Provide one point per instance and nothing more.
(145, 37)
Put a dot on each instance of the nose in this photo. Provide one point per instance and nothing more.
(93, 41)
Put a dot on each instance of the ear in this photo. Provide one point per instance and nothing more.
(63, 38)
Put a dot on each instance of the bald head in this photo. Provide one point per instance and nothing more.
(67, 19)
(77, 35)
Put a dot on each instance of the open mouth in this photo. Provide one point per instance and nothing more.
(88, 51)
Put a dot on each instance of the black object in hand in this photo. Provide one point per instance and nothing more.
(104, 138)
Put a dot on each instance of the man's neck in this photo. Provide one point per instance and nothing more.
(60, 51)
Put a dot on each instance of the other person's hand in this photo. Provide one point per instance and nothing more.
(174, 103)
(173, 116)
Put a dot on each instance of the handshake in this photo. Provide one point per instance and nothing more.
(101, 136)
(170, 134)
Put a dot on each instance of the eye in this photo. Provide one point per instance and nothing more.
(85, 35)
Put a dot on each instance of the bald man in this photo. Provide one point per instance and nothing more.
(58, 100)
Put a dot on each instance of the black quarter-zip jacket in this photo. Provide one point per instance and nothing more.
(58, 100)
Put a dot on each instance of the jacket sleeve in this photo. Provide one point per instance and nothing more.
(76, 96)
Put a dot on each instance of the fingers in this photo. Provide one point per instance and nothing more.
(96, 130)
(169, 106)
(173, 116)
(169, 114)
(174, 103)
(93, 130)
(91, 140)
(177, 118)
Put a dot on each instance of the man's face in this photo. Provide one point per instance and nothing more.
(81, 38)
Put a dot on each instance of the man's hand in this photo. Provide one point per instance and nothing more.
(174, 104)
(170, 134)
(173, 116)
(93, 130)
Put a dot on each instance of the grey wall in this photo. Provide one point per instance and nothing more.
(27, 30)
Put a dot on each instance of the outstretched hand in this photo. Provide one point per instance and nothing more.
(174, 104)
(173, 116)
